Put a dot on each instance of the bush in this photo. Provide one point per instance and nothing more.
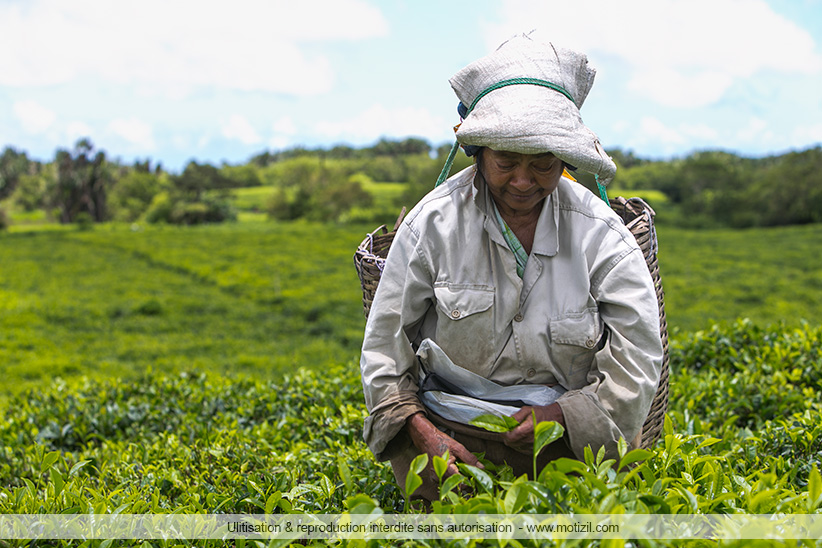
(319, 199)
(159, 210)
(133, 194)
(209, 210)
(176, 209)
(4, 220)
(199, 444)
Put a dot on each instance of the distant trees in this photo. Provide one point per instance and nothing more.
(198, 195)
(342, 183)
(13, 165)
(309, 188)
(715, 188)
(83, 177)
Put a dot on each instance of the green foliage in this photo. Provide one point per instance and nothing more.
(132, 195)
(714, 188)
(768, 275)
(199, 443)
(213, 369)
(316, 192)
(495, 423)
(82, 183)
(32, 190)
(13, 165)
(756, 374)
(190, 443)
(4, 220)
(705, 190)
(197, 196)
(261, 298)
(241, 176)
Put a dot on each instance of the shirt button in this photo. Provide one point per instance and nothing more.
(518, 318)
(531, 372)
(455, 313)
(590, 343)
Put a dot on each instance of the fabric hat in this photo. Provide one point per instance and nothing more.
(525, 97)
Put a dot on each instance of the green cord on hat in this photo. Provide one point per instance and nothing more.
(515, 81)
(602, 192)
(446, 169)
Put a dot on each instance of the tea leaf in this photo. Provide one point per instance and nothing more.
(545, 433)
(495, 423)
(634, 456)
(481, 476)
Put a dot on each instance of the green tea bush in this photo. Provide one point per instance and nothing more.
(199, 443)
(748, 375)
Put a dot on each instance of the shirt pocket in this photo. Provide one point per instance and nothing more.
(465, 325)
(575, 339)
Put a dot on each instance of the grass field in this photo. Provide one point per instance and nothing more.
(249, 297)
(266, 298)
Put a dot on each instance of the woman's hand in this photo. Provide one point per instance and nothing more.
(431, 440)
(521, 438)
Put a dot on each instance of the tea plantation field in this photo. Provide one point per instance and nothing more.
(214, 370)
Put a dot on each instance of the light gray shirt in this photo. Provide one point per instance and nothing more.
(584, 315)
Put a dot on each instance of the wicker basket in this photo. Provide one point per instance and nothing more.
(637, 215)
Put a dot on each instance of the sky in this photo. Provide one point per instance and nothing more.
(219, 82)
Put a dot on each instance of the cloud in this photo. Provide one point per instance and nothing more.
(753, 131)
(239, 129)
(284, 126)
(666, 138)
(174, 47)
(34, 117)
(654, 130)
(378, 121)
(134, 131)
(77, 130)
(673, 89)
(683, 53)
(806, 134)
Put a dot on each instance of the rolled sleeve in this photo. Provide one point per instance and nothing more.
(388, 365)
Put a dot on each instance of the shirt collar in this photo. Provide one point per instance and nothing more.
(547, 240)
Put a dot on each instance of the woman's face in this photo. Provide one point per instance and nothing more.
(519, 182)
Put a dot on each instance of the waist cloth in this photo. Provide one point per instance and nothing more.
(459, 395)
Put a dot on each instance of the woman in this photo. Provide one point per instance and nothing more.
(512, 272)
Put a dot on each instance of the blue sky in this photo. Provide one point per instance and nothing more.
(221, 81)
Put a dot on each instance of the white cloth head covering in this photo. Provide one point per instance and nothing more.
(531, 118)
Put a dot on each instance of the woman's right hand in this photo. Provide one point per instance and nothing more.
(434, 442)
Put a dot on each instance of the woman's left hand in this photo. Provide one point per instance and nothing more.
(521, 438)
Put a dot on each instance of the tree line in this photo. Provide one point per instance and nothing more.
(83, 185)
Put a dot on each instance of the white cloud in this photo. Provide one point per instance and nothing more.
(807, 134)
(654, 130)
(753, 130)
(34, 117)
(284, 126)
(379, 121)
(238, 128)
(702, 133)
(670, 88)
(278, 142)
(678, 52)
(134, 131)
(651, 132)
(172, 47)
(77, 130)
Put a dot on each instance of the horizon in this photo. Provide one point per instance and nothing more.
(153, 163)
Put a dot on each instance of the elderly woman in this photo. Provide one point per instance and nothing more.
(511, 288)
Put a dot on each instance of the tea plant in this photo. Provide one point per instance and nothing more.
(199, 443)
